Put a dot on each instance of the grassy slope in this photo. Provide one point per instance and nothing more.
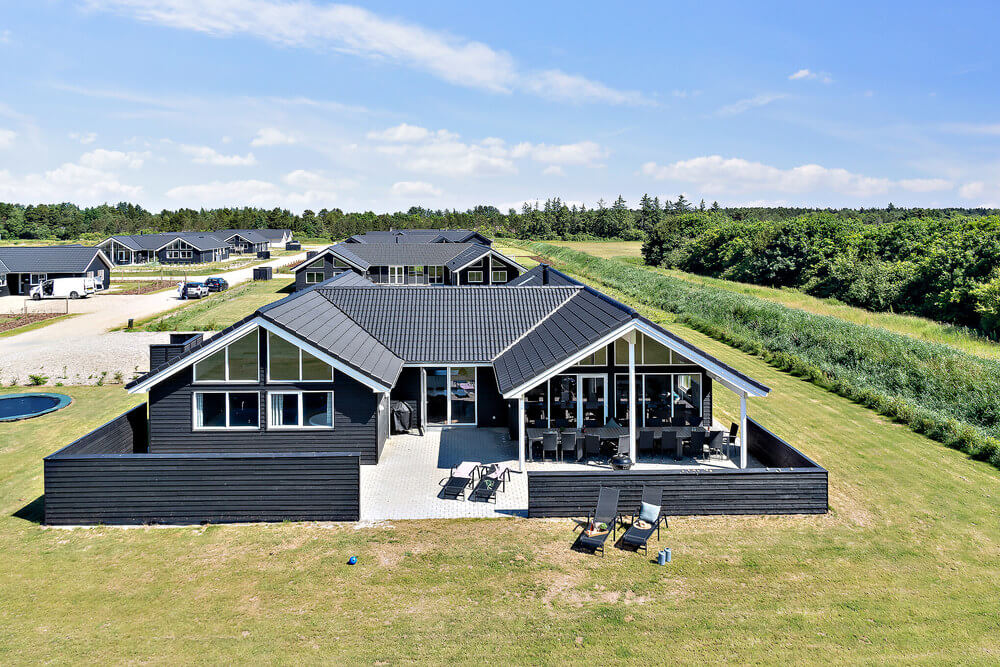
(904, 565)
(221, 309)
(909, 325)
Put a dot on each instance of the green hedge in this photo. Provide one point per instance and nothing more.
(936, 390)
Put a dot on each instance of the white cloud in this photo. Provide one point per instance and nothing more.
(715, 174)
(105, 159)
(748, 103)
(581, 153)
(402, 132)
(357, 31)
(973, 190)
(229, 193)
(554, 170)
(982, 129)
(806, 74)
(414, 189)
(684, 94)
(5, 36)
(270, 136)
(69, 182)
(7, 138)
(207, 155)
(925, 184)
(84, 137)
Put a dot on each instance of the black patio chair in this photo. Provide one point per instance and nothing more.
(715, 444)
(647, 441)
(623, 445)
(734, 430)
(567, 444)
(606, 513)
(493, 478)
(639, 537)
(462, 476)
(698, 446)
(592, 444)
(550, 443)
(669, 445)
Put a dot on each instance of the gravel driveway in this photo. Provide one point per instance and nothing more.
(81, 350)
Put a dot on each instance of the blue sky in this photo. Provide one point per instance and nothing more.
(381, 106)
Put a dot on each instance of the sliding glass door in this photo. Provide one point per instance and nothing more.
(450, 395)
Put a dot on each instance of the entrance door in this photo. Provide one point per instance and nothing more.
(437, 396)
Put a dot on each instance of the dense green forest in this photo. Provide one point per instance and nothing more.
(939, 263)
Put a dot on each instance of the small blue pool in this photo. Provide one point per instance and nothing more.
(26, 406)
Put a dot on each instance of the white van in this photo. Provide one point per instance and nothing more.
(63, 288)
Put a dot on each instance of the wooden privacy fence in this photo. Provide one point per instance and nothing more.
(790, 483)
(105, 477)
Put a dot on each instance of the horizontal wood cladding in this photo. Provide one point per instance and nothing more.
(751, 491)
(125, 434)
(196, 488)
(355, 420)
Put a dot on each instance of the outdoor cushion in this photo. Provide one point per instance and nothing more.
(649, 513)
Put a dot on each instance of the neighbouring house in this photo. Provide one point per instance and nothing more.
(244, 241)
(22, 267)
(166, 248)
(410, 264)
(271, 418)
(421, 236)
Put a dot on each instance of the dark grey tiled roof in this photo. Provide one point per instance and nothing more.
(542, 274)
(447, 324)
(420, 236)
(313, 318)
(467, 256)
(145, 241)
(47, 259)
(252, 235)
(3, 268)
(204, 241)
(365, 255)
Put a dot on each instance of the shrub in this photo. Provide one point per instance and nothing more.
(37, 380)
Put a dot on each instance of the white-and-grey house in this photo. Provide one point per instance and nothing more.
(22, 267)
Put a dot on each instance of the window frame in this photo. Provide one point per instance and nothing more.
(32, 281)
(301, 402)
(470, 280)
(314, 273)
(271, 380)
(595, 365)
(397, 272)
(225, 349)
(495, 272)
(435, 274)
(227, 427)
(640, 402)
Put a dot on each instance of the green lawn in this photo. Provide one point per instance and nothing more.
(909, 325)
(206, 269)
(903, 569)
(221, 309)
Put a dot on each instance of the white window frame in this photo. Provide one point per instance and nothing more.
(397, 275)
(415, 274)
(502, 273)
(471, 279)
(194, 412)
(595, 365)
(435, 275)
(299, 394)
(311, 278)
(225, 351)
(3, 279)
(270, 380)
(34, 279)
(448, 422)
(640, 403)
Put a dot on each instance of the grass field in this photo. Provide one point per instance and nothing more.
(219, 310)
(10, 323)
(207, 269)
(909, 325)
(903, 569)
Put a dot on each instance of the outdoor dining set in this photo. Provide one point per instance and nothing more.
(682, 436)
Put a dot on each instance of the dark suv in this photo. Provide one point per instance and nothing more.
(216, 284)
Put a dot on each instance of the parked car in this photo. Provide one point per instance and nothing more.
(192, 291)
(63, 288)
(216, 284)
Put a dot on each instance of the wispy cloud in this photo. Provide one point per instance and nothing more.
(749, 103)
(807, 75)
(414, 189)
(980, 129)
(208, 155)
(270, 136)
(7, 138)
(357, 31)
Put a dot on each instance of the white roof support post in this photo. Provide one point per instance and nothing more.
(633, 417)
(520, 433)
(743, 429)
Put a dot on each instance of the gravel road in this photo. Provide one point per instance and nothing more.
(81, 350)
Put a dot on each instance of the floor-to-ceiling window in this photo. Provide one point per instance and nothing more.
(451, 395)
(659, 397)
(568, 401)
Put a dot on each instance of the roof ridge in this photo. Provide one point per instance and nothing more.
(537, 324)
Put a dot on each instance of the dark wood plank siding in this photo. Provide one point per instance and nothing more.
(183, 489)
(355, 420)
(329, 271)
(490, 405)
(125, 434)
(791, 484)
(751, 491)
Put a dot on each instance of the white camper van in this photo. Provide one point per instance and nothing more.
(63, 288)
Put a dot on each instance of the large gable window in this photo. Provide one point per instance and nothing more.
(236, 362)
(287, 362)
(648, 352)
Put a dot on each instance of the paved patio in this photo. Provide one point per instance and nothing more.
(407, 481)
(406, 484)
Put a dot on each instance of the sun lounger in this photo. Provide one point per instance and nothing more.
(462, 477)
